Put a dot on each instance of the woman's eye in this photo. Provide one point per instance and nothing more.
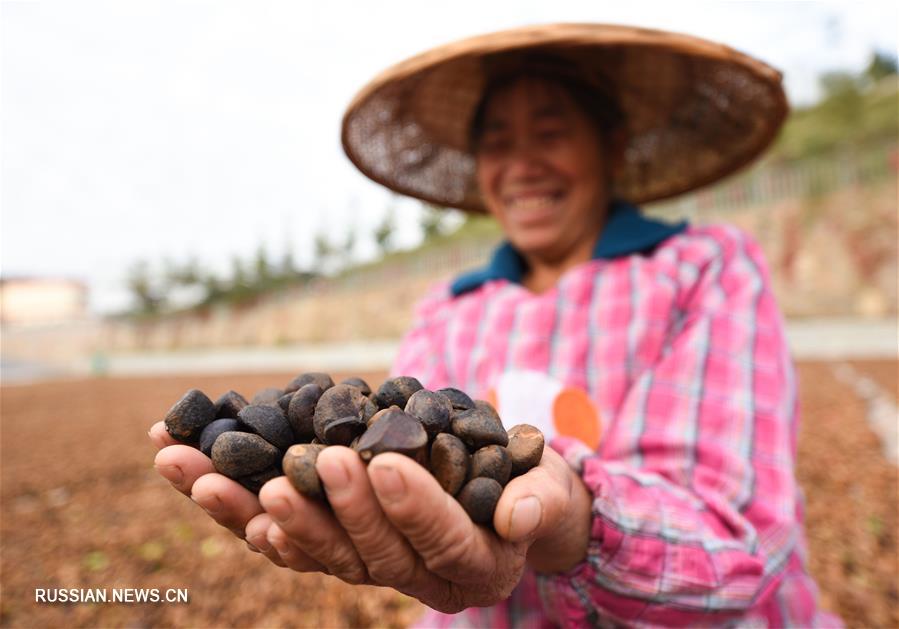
(494, 145)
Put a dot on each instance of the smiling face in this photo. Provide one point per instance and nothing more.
(541, 171)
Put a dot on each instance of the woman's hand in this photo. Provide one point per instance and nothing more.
(391, 524)
(191, 472)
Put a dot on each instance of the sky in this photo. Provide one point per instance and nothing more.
(149, 130)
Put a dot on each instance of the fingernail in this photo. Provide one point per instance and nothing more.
(171, 473)
(210, 504)
(526, 515)
(260, 544)
(252, 547)
(333, 474)
(388, 483)
(280, 510)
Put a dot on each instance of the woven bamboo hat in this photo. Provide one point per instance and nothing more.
(694, 111)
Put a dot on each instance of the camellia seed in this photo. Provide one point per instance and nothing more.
(394, 431)
(237, 454)
(321, 379)
(479, 498)
(525, 448)
(269, 423)
(432, 409)
(189, 416)
(449, 462)
(492, 461)
(229, 405)
(299, 467)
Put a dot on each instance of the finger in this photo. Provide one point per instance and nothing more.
(226, 501)
(290, 554)
(435, 524)
(160, 436)
(534, 504)
(257, 538)
(313, 529)
(182, 465)
(387, 555)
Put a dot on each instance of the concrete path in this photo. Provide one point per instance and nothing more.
(831, 339)
(816, 339)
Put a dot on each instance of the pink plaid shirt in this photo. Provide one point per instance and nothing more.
(697, 515)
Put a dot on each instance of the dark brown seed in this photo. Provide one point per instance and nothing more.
(321, 379)
(189, 416)
(269, 423)
(371, 420)
(477, 428)
(449, 462)
(396, 392)
(492, 462)
(267, 396)
(229, 405)
(284, 402)
(358, 382)
(459, 400)
(525, 448)
(479, 498)
(394, 431)
(237, 454)
(432, 409)
(487, 407)
(299, 467)
(342, 432)
(369, 410)
(338, 402)
(254, 482)
(301, 411)
(213, 430)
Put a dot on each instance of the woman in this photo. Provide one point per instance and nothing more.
(686, 511)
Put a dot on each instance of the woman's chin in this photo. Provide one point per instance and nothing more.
(536, 244)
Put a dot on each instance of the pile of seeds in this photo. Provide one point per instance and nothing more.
(461, 441)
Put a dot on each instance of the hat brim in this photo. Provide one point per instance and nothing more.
(695, 111)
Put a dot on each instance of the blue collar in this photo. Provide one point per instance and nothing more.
(626, 232)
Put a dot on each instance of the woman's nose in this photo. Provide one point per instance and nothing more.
(525, 162)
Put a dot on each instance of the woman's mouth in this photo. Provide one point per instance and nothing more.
(533, 208)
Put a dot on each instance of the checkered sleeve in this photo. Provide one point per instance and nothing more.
(694, 512)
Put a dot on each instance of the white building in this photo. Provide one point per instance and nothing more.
(41, 300)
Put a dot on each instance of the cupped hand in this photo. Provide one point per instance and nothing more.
(391, 524)
(227, 502)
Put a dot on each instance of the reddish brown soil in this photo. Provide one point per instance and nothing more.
(82, 507)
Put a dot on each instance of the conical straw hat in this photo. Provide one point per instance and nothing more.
(695, 111)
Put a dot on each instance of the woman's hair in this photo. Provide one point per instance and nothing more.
(599, 107)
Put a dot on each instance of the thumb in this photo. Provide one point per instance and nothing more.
(536, 503)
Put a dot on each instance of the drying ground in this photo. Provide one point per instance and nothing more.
(83, 508)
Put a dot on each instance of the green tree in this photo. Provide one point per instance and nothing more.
(324, 251)
(288, 267)
(882, 65)
(349, 244)
(263, 271)
(148, 297)
(385, 230)
(431, 221)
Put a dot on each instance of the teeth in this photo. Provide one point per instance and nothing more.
(531, 203)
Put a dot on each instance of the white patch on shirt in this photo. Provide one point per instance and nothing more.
(526, 397)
